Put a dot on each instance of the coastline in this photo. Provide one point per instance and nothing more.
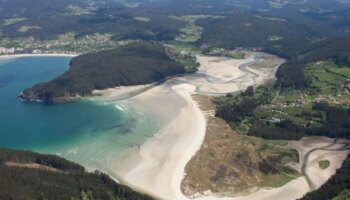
(5, 57)
(158, 167)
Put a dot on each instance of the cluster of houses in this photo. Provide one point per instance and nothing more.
(11, 50)
(4, 50)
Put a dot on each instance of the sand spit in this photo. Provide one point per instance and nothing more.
(158, 167)
(120, 93)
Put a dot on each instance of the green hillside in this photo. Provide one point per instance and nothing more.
(26, 175)
(133, 64)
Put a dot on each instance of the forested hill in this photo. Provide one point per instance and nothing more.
(292, 73)
(133, 64)
(241, 29)
(316, 37)
(48, 19)
(27, 175)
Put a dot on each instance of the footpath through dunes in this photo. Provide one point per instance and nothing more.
(158, 167)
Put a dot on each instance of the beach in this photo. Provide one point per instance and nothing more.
(158, 167)
(91, 133)
(13, 56)
(222, 75)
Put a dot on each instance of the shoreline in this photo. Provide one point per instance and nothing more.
(13, 56)
(158, 167)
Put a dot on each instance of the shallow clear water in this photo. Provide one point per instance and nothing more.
(95, 134)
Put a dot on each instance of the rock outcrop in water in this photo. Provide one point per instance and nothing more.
(133, 64)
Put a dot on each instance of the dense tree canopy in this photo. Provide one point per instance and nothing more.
(23, 176)
(133, 64)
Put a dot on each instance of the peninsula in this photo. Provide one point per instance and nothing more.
(175, 99)
(134, 64)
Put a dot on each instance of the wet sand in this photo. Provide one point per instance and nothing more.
(158, 167)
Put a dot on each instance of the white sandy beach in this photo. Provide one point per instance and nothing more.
(120, 93)
(222, 75)
(158, 167)
(290, 191)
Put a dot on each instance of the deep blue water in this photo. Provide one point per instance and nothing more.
(95, 134)
(34, 125)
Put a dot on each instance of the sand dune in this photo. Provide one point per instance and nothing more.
(158, 167)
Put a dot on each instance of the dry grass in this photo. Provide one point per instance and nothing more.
(228, 163)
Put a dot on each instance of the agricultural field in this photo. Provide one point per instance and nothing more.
(326, 77)
(64, 43)
(191, 32)
(327, 84)
(291, 114)
(184, 53)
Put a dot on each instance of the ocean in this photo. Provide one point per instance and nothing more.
(95, 134)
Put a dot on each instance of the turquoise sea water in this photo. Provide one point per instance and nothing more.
(94, 134)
